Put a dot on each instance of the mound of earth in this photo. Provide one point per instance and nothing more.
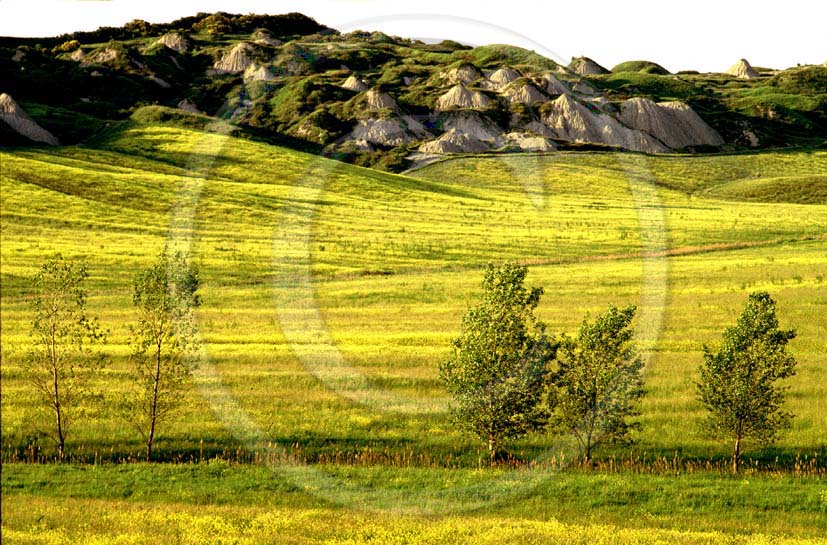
(501, 77)
(389, 131)
(574, 122)
(601, 102)
(237, 60)
(460, 97)
(583, 89)
(16, 117)
(355, 84)
(675, 124)
(255, 72)
(100, 56)
(189, 106)
(552, 85)
(535, 127)
(473, 124)
(742, 69)
(378, 100)
(529, 142)
(263, 36)
(454, 141)
(524, 93)
(175, 41)
(464, 73)
(77, 55)
(586, 67)
(646, 67)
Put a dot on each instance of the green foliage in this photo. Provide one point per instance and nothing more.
(646, 67)
(598, 381)
(498, 367)
(738, 382)
(772, 103)
(66, 47)
(215, 24)
(497, 55)
(807, 80)
(656, 87)
(59, 358)
(164, 342)
(302, 97)
(285, 25)
(138, 27)
(72, 126)
(160, 115)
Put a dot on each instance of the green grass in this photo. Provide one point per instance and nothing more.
(391, 263)
(657, 87)
(331, 293)
(647, 67)
(391, 505)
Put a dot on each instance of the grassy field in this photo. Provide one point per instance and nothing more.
(220, 503)
(331, 293)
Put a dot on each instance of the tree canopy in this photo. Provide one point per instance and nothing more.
(738, 383)
(498, 368)
(598, 380)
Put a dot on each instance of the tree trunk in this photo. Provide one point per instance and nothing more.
(61, 447)
(492, 449)
(151, 435)
(736, 456)
(61, 434)
(149, 448)
(153, 408)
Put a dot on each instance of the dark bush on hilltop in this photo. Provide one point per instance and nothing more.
(289, 24)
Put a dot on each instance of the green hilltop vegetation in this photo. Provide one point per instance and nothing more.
(647, 67)
(390, 264)
(391, 102)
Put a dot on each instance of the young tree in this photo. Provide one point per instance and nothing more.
(60, 358)
(164, 341)
(497, 371)
(598, 381)
(738, 383)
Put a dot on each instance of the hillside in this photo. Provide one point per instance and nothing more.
(391, 102)
(392, 261)
(330, 296)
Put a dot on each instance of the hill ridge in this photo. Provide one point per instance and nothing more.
(297, 81)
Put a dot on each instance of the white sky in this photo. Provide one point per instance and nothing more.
(706, 35)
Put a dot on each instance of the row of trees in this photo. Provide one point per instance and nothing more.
(509, 377)
(61, 359)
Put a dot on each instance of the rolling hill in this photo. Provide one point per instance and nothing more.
(391, 102)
